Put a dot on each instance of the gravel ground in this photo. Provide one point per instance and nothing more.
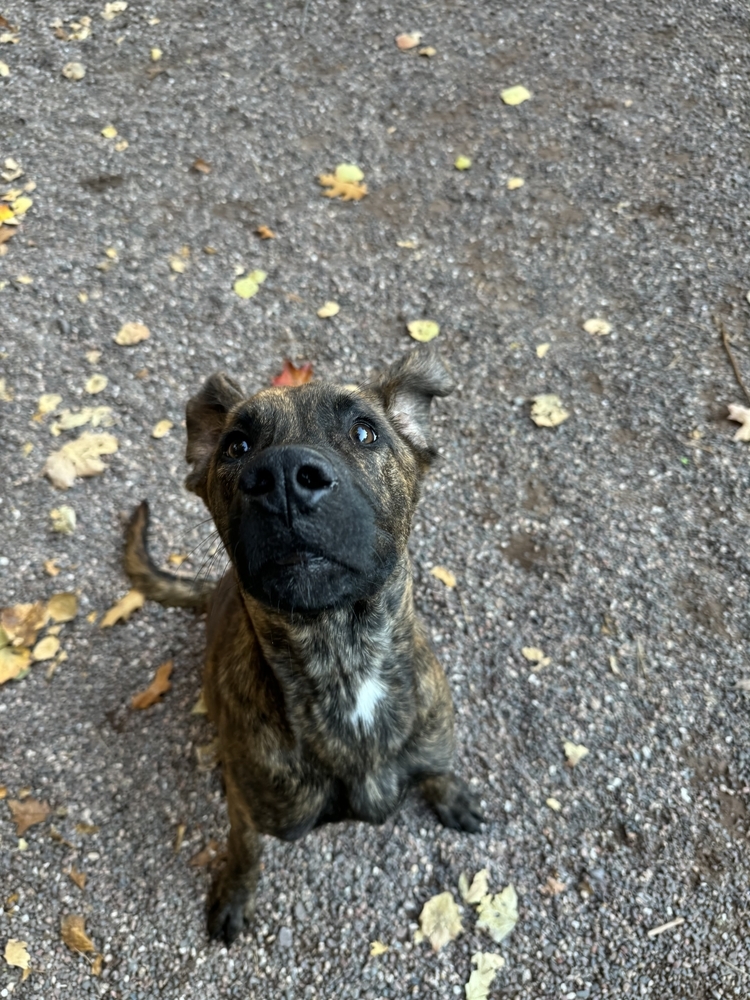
(613, 542)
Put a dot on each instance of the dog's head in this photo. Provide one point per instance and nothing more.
(313, 488)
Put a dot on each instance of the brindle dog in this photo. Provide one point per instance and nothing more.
(327, 698)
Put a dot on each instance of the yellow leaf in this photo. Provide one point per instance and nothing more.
(156, 54)
(124, 608)
(478, 889)
(16, 954)
(444, 575)
(24, 279)
(535, 655)
(554, 804)
(73, 933)
(575, 752)
(74, 71)
(498, 914)
(45, 649)
(462, 163)
(329, 309)
(21, 623)
(481, 978)
(348, 173)
(13, 663)
(597, 327)
(423, 330)
(200, 707)
(541, 350)
(63, 520)
(440, 920)
(51, 568)
(121, 146)
(408, 41)
(246, 288)
(345, 183)
(162, 428)
(406, 244)
(4, 69)
(132, 333)
(547, 411)
(377, 948)
(428, 52)
(80, 457)
(158, 686)
(177, 264)
(84, 297)
(93, 357)
(514, 183)
(111, 10)
(109, 131)
(514, 95)
(21, 205)
(63, 607)
(27, 448)
(95, 384)
(176, 558)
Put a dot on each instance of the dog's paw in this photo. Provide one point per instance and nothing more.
(458, 807)
(230, 910)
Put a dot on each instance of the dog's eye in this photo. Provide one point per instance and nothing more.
(237, 448)
(362, 433)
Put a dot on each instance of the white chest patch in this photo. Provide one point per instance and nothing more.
(371, 691)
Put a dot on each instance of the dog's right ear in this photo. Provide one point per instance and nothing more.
(206, 416)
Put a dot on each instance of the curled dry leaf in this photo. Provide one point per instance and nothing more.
(478, 889)
(79, 458)
(514, 183)
(423, 330)
(51, 568)
(47, 403)
(575, 752)
(27, 813)
(514, 95)
(201, 167)
(290, 374)
(109, 132)
(74, 71)
(111, 10)
(45, 649)
(487, 964)
(265, 233)
(78, 877)
(63, 520)
(741, 414)
(96, 383)
(444, 575)
(535, 655)
(96, 416)
(329, 309)
(124, 608)
(158, 686)
(345, 183)
(132, 333)
(377, 948)
(547, 410)
(498, 914)
(408, 41)
(162, 429)
(73, 933)
(440, 920)
(541, 350)
(597, 327)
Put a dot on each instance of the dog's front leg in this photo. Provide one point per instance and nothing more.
(231, 901)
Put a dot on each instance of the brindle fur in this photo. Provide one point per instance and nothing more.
(281, 685)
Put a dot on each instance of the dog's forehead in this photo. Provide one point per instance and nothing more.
(297, 410)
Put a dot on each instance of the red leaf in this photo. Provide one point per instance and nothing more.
(291, 375)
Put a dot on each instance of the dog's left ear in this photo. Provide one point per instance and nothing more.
(407, 388)
(206, 415)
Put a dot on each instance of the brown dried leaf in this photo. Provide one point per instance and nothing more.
(158, 686)
(87, 829)
(23, 622)
(552, 887)
(73, 933)
(96, 965)
(343, 183)
(27, 813)
(291, 375)
(78, 877)
(201, 167)
(124, 608)
(265, 233)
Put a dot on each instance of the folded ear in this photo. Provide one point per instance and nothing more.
(206, 416)
(407, 389)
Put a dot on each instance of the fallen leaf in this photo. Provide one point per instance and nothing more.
(740, 414)
(205, 856)
(62, 607)
(575, 752)
(51, 568)
(514, 95)
(487, 964)
(63, 520)
(377, 948)
(547, 411)
(176, 558)
(554, 804)
(74, 71)
(96, 965)
(162, 428)
(25, 279)
(46, 403)
(16, 954)
(95, 384)
(27, 448)
(290, 374)
(124, 608)
(78, 877)
(97, 416)
(111, 252)
(84, 297)
(201, 167)
(541, 350)
(265, 233)
(111, 10)
(462, 162)
(535, 655)
(4, 69)
(406, 244)
(73, 933)
(87, 829)
(597, 326)
(329, 309)
(22, 623)
(109, 132)
(121, 146)
(132, 333)
(45, 649)
(14, 663)
(428, 52)
(249, 285)
(478, 889)
(408, 41)
(27, 813)
(552, 887)
(345, 183)
(177, 264)
(79, 458)
(158, 686)
(498, 914)
(440, 920)
(93, 356)
(156, 54)
(514, 183)
(12, 170)
(423, 330)
(444, 575)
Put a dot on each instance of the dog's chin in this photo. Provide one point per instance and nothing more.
(304, 582)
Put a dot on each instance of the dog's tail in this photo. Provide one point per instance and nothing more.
(167, 588)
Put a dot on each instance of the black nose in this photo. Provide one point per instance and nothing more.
(288, 479)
